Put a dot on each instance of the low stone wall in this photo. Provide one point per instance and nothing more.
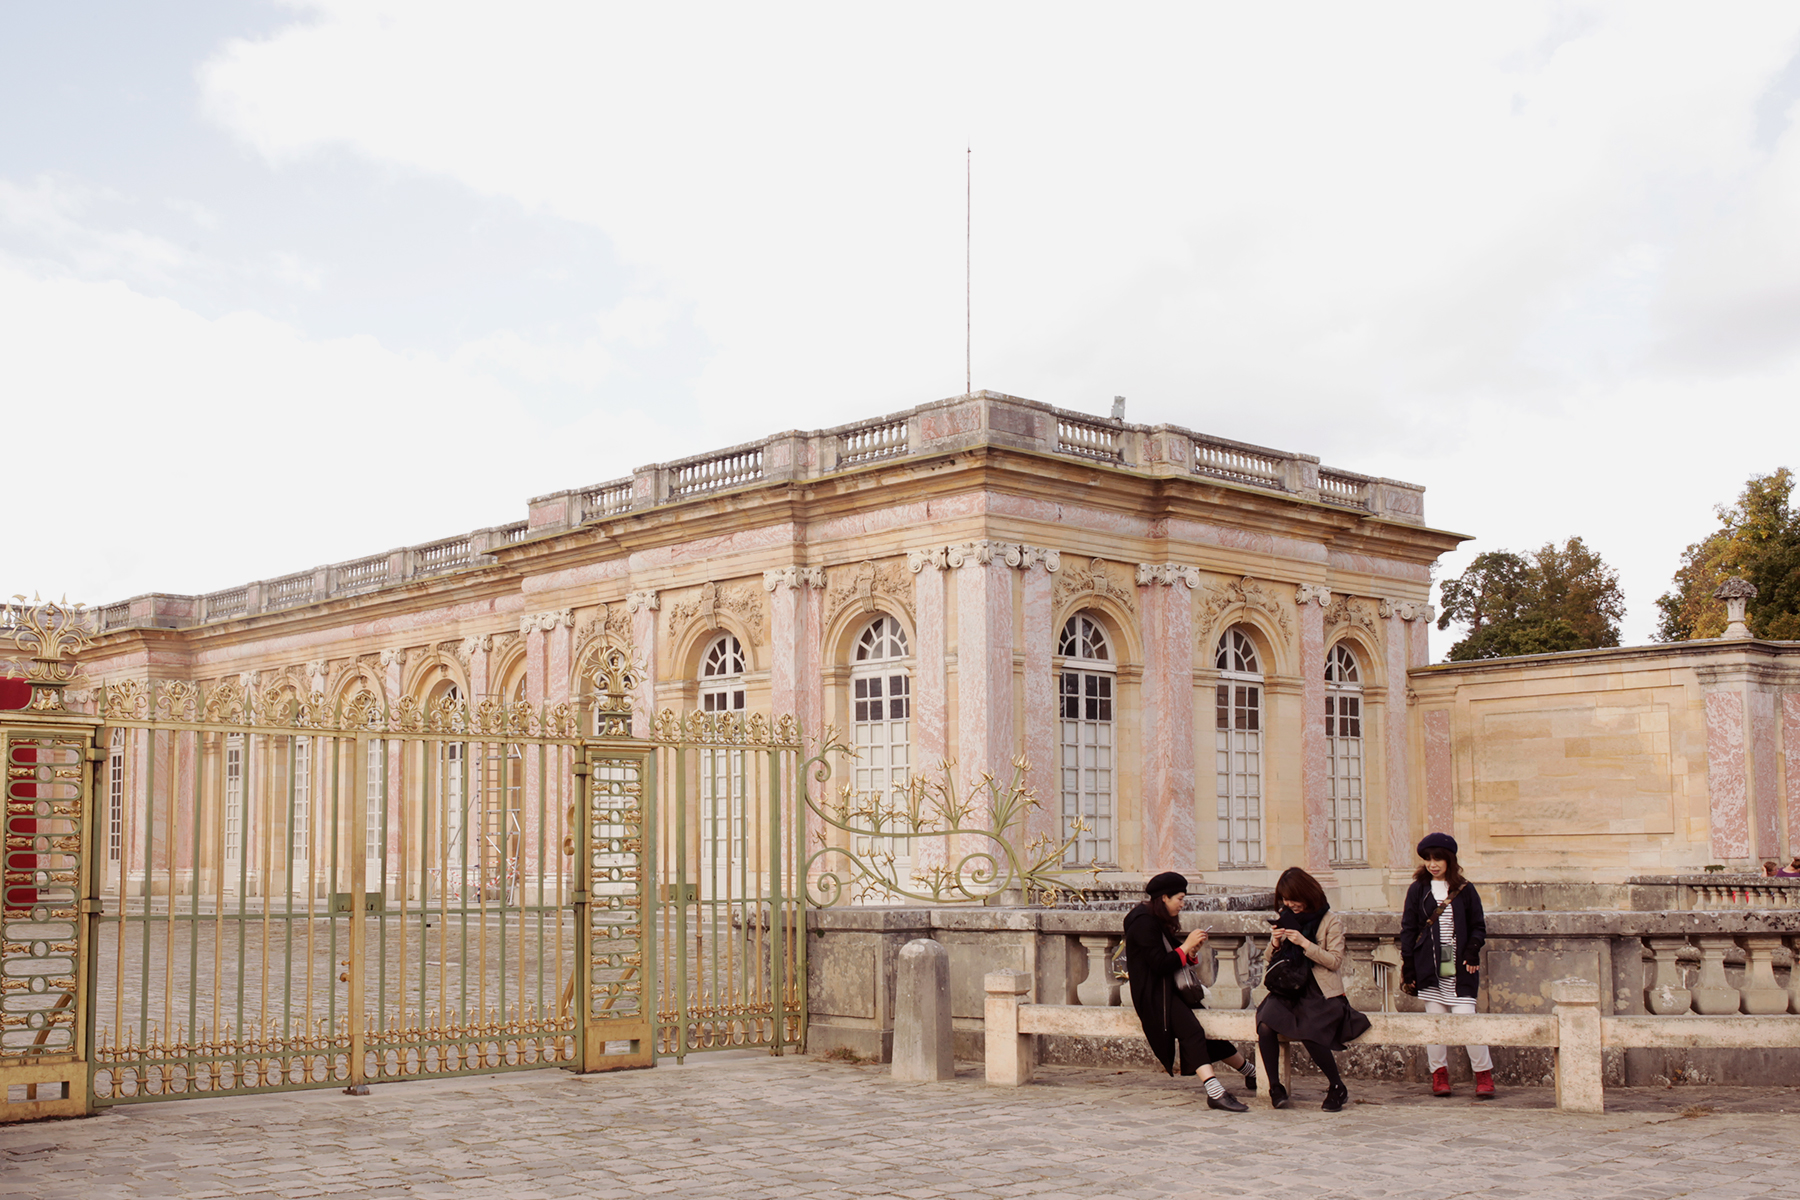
(1646, 963)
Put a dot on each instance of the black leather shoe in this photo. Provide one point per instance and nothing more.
(1249, 1074)
(1334, 1099)
(1278, 1096)
(1228, 1102)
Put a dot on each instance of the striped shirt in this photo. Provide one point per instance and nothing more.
(1441, 989)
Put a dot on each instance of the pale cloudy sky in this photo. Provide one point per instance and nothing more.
(283, 284)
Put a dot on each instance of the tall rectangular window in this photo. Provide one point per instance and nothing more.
(115, 797)
(234, 797)
(1086, 715)
(1238, 745)
(1344, 759)
(302, 817)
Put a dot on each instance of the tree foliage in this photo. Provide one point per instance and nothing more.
(1758, 538)
(1554, 598)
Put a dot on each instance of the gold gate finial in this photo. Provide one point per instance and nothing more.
(44, 632)
(615, 678)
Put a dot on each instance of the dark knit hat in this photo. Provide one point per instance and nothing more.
(1436, 841)
(1166, 884)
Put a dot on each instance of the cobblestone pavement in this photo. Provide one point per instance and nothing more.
(748, 1126)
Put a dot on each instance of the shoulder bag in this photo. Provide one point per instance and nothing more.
(1446, 954)
(1187, 981)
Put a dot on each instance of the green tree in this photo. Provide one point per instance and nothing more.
(1555, 598)
(1758, 538)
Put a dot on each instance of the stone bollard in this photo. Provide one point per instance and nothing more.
(922, 1035)
(1579, 1086)
(1008, 1050)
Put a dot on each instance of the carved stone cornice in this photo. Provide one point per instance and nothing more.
(793, 576)
(704, 607)
(560, 618)
(864, 584)
(982, 553)
(1167, 574)
(645, 601)
(1080, 578)
(1312, 593)
(1221, 597)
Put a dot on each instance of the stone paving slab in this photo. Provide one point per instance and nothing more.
(749, 1126)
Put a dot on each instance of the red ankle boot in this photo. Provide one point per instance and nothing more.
(1484, 1085)
(1440, 1082)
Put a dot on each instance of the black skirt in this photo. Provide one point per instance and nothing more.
(1314, 1017)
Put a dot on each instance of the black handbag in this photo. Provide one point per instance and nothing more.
(1187, 982)
(1286, 977)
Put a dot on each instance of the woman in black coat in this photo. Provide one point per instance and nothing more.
(1155, 950)
(1442, 931)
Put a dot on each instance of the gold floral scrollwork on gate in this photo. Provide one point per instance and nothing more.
(314, 713)
(521, 719)
(225, 704)
(363, 711)
(177, 700)
(614, 679)
(488, 716)
(561, 721)
(46, 632)
(666, 727)
(409, 715)
(448, 716)
(127, 701)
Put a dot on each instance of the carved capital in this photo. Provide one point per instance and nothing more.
(645, 601)
(560, 618)
(937, 558)
(1312, 593)
(793, 577)
(317, 668)
(471, 646)
(393, 658)
(1167, 574)
(248, 679)
(1037, 556)
(984, 552)
(1407, 610)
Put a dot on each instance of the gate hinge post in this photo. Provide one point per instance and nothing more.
(94, 907)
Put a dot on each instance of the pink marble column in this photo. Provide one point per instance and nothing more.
(1726, 783)
(475, 654)
(642, 606)
(1315, 783)
(795, 683)
(1440, 775)
(931, 700)
(1790, 741)
(1036, 605)
(1398, 764)
(984, 625)
(1171, 842)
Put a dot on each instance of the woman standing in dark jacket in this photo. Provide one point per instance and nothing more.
(1442, 931)
(1154, 951)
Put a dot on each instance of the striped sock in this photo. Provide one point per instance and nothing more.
(1248, 1071)
(1214, 1088)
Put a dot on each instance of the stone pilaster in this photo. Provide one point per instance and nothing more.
(1401, 621)
(1315, 783)
(1038, 611)
(795, 680)
(984, 669)
(474, 655)
(642, 606)
(1743, 764)
(1165, 598)
(1790, 742)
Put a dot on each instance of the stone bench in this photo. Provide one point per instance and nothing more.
(1574, 1030)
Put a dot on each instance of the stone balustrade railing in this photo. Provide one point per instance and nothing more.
(1651, 966)
(943, 427)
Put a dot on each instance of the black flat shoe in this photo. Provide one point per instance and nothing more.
(1278, 1096)
(1227, 1102)
(1334, 1099)
(1250, 1081)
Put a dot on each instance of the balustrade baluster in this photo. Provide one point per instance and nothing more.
(1666, 997)
(1762, 996)
(1099, 989)
(1713, 994)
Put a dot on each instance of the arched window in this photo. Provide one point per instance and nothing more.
(1085, 714)
(1238, 722)
(1344, 754)
(722, 676)
(881, 722)
(721, 771)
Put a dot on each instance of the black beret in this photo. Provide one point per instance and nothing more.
(1436, 841)
(1166, 884)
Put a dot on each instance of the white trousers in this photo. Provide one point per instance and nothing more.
(1439, 1056)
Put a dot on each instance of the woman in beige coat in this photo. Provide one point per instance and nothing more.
(1307, 930)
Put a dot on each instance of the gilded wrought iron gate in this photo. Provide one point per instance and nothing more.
(294, 895)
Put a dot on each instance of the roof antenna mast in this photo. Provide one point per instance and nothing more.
(968, 226)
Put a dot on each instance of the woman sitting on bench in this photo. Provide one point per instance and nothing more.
(1305, 929)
